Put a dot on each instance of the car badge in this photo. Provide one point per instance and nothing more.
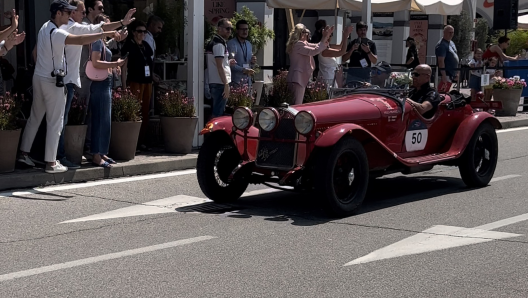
(264, 154)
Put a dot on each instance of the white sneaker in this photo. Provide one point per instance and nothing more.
(26, 160)
(57, 168)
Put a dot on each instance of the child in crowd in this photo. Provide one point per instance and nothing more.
(475, 77)
(494, 73)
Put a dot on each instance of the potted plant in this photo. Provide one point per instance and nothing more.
(509, 92)
(10, 107)
(240, 96)
(316, 91)
(75, 131)
(399, 80)
(126, 124)
(279, 92)
(178, 121)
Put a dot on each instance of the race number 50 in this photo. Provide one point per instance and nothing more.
(416, 136)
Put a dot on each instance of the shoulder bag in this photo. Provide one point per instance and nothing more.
(96, 74)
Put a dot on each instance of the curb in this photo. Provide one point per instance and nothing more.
(39, 178)
(513, 123)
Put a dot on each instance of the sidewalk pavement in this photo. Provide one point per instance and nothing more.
(155, 161)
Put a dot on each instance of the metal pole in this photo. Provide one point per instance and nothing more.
(366, 16)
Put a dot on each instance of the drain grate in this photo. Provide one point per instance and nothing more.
(209, 207)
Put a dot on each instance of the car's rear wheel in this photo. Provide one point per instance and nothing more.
(341, 177)
(218, 157)
(477, 164)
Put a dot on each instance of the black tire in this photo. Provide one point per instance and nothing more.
(479, 160)
(332, 177)
(218, 157)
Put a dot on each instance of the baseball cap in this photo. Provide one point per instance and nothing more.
(409, 39)
(383, 66)
(58, 5)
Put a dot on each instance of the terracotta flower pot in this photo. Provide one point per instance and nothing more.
(510, 101)
(8, 150)
(74, 136)
(178, 133)
(124, 139)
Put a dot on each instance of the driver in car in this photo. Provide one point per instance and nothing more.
(423, 97)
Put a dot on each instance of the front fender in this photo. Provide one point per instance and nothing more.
(466, 130)
(224, 124)
(332, 135)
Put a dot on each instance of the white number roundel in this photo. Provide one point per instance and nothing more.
(416, 136)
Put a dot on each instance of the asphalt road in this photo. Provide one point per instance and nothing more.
(156, 236)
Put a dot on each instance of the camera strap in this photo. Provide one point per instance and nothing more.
(64, 61)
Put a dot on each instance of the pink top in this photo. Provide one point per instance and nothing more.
(302, 63)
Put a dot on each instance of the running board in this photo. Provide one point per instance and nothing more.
(429, 159)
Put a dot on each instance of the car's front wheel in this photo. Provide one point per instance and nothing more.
(341, 177)
(217, 159)
(477, 164)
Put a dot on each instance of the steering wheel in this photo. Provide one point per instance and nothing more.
(354, 84)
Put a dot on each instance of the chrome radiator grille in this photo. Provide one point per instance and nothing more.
(277, 154)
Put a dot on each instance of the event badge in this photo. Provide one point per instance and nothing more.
(147, 71)
(484, 79)
(363, 63)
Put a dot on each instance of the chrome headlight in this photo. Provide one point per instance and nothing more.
(268, 119)
(242, 118)
(304, 122)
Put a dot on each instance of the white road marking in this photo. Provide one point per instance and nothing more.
(167, 205)
(504, 178)
(442, 237)
(112, 256)
(95, 183)
(512, 129)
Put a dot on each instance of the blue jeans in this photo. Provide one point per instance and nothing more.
(101, 115)
(61, 152)
(219, 102)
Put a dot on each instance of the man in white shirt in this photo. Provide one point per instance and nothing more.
(49, 96)
(73, 55)
(154, 27)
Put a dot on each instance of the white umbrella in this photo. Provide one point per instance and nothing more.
(442, 7)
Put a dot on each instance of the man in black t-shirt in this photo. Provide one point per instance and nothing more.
(423, 97)
(362, 54)
(411, 60)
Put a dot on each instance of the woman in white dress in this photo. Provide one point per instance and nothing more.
(327, 59)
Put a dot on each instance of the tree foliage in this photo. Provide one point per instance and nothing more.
(481, 33)
(463, 25)
(172, 13)
(258, 33)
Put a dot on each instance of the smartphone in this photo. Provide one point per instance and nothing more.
(125, 56)
(364, 40)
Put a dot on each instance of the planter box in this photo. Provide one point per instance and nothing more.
(124, 139)
(8, 149)
(178, 133)
(74, 137)
(510, 101)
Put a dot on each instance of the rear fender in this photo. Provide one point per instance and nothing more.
(467, 128)
(246, 147)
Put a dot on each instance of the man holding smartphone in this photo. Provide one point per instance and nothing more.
(362, 54)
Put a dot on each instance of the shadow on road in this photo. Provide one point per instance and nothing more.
(304, 209)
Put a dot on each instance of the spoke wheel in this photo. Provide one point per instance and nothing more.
(477, 164)
(342, 176)
(217, 159)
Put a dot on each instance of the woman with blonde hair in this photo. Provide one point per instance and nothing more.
(302, 63)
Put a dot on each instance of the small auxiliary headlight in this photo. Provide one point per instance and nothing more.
(268, 119)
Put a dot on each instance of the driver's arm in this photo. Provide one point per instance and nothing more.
(421, 107)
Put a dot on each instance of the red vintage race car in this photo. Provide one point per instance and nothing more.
(334, 147)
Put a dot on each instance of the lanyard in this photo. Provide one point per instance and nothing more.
(142, 53)
(244, 49)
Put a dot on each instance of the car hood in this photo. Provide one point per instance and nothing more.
(349, 108)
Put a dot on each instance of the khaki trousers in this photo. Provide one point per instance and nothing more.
(48, 100)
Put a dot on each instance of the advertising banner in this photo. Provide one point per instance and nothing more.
(418, 30)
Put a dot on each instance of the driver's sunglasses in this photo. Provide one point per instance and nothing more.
(415, 74)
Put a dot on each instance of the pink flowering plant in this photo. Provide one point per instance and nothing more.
(240, 96)
(400, 79)
(10, 106)
(77, 111)
(316, 91)
(125, 106)
(511, 83)
(279, 93)
(176, 104)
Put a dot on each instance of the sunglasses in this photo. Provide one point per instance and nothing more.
(82, 12)
(69, 12)
(100, 7)
(141, 31)
(415, 74)
(228, 28)
(243, 29)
